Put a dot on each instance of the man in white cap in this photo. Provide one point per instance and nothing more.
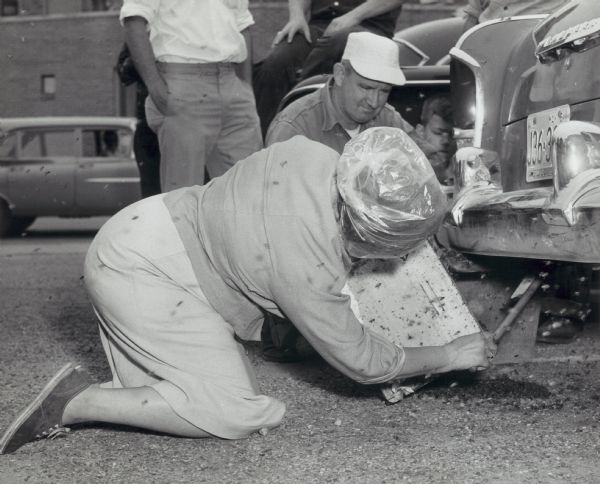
(353, 100)
(312, 41)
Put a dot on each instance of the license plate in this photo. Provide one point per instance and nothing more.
(540, 134)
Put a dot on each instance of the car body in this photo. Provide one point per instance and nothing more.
(526, 102)
(424, 59)
(532, 115)
(66, 167)
(429, 43)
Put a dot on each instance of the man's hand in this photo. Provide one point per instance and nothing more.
(136, 37)
(290, 29)
(468, 352)
(159, 92)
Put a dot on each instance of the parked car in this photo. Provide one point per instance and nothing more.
(424, 59)
(66, 167)
(526, 97)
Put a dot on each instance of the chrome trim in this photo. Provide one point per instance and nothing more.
(444, 61)
(524, 223)
(130, 179)
(583, 191)
(584, 31)
(572, 144)
(472, 166)
(415, 49)
(430, 82)
(38, 122)
(470, 61)
(309, 86)
(475, 28)
(458, 53)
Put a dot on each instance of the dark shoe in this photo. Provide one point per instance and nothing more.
(282, 342)
(282, 355)
(43, 417)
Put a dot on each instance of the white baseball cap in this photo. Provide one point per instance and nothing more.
(374, 57)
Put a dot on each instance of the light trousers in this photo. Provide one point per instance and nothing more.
(210, 122)
(159, 330)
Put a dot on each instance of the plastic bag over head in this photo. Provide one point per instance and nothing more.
(391, 198)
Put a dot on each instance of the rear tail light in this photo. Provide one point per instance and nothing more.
(576, 172)
(576, 148)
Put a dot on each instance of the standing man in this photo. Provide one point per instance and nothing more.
(354, 99)
(191, 54)
(312, 41)
(145, 141)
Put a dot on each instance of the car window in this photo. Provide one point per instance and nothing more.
(106, 143)
(8, 145)
(38, 143)
(408, 100)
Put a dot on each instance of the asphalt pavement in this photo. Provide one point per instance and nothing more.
(536, 422)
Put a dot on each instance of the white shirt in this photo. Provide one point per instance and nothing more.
(197, 31)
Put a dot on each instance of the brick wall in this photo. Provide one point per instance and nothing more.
(80, 50)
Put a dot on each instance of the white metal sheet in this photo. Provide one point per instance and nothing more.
(412, 301)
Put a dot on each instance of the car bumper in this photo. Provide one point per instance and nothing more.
(534, 223)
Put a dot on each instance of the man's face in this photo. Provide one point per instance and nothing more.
(357, 98)
(438, 133)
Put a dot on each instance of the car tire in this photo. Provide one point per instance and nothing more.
(20, 224)
(6, 219)
(11, 225)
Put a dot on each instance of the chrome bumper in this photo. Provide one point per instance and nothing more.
(525, 224)
(559, 222)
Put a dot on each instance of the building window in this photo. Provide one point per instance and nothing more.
(48, 86)
(9, 7)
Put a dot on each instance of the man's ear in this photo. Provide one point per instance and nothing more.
(338, 73)
(420, 129)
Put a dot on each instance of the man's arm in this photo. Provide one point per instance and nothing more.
(471, 13)
(299, 15)
(244, 69)
(364, 11)
(136, 37)
(463, 353)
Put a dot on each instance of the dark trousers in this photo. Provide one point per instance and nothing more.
(147, 156)
(288, 63)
